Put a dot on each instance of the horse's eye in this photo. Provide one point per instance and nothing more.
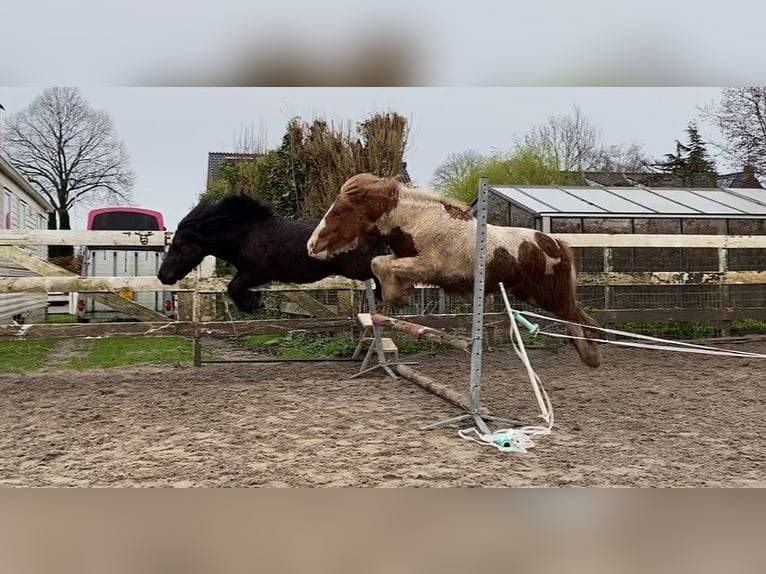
(337, 213)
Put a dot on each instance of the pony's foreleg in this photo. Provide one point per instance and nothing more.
(378, 288)
(238, 289)
(381, 268)
(398, 277)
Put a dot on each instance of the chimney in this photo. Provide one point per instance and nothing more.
(749, 179)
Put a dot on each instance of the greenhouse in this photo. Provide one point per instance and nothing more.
(643, 210)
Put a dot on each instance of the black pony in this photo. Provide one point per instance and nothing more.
(262, 247)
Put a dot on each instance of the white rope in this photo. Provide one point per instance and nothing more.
(517, 439)
(723, 353)
(508, 440)
(668, 345)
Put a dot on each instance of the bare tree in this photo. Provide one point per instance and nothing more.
(575, 145)
(69, 151)
(455, 169)
(622, 159)
(569, 139)
(252, 142)
(740, 116)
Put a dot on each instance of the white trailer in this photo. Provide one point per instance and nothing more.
(105, 261)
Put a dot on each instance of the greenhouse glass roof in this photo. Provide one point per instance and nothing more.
(635, 201)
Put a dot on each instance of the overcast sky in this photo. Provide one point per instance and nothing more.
(169, 131)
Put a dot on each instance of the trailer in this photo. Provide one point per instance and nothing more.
(103, 261)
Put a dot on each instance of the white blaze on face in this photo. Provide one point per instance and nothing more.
(325, 253)
(313, 239)
(315, 235)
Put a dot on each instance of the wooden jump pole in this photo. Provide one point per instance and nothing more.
(422, 332)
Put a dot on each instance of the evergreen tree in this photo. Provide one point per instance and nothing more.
(691, 162)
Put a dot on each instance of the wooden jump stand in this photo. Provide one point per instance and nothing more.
(379, 345)
(383, 347)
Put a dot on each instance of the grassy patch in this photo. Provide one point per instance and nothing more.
(669, 329)
(317, 346)
(123, 351)
(748, 327)
(302, 345)
(57, 319)
(22, 356)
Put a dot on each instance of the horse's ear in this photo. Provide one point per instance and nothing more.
(366, 185)
(358, 191)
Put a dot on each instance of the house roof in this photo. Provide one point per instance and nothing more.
(599, 201)
(405, 174)
(217, 159)
(744, 178)
(739, 179)
(14, 175)
(640, 178)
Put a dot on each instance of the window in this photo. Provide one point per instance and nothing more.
(126, 220)
(7, 212)
(23, 208)
(566, 225)
(704, 226)
(521, 218)
(606, 225)
(657, 225)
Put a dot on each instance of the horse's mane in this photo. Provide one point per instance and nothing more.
(395, 186)
(426, 196)
(212, 217)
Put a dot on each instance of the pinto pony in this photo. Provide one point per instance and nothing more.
(433, 240)
(262, 247)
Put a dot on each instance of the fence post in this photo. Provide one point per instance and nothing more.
(196, 310)
(723, 291)
(346, 307)
(608, 294)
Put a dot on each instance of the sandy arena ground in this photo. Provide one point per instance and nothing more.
(644, 419)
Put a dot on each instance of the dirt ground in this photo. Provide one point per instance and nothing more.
(645, 418)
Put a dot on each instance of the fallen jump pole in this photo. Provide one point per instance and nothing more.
(430, 334)
(439, 389)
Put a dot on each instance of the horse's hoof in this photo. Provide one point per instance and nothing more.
(250, 307)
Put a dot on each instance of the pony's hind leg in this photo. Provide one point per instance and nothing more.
(585, 343)
(569, 310)
(238, 289)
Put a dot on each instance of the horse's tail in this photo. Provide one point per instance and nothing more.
(586, 346)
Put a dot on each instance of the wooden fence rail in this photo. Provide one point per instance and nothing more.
(53, 278)
(218, 284)
(162, 238)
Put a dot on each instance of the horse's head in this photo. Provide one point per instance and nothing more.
(211, 228)
(362, 201)
(184, 254)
